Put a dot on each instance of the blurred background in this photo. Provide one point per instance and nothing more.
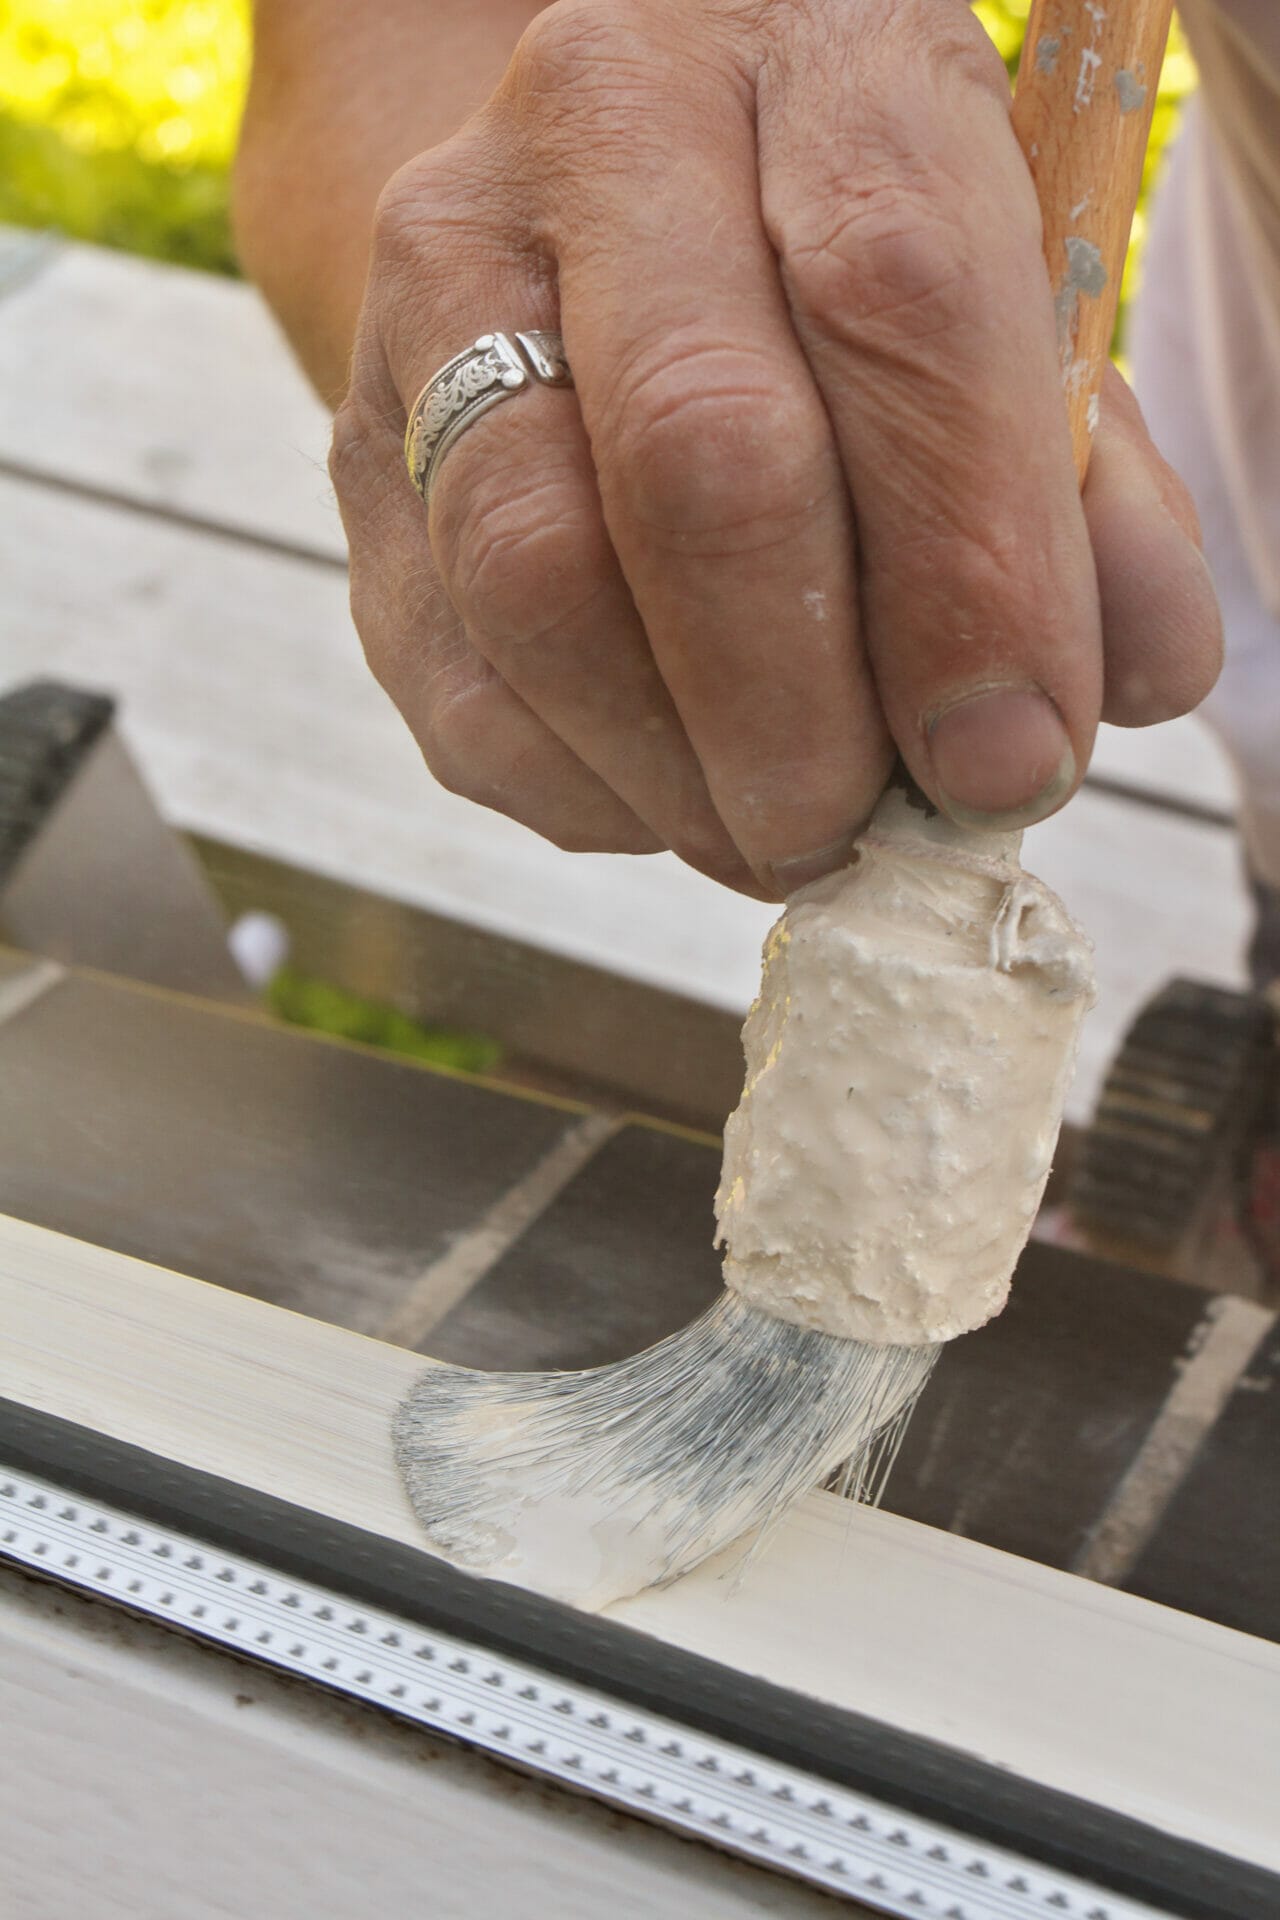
(118, 121)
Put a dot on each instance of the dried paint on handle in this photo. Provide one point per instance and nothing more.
(1082, 112)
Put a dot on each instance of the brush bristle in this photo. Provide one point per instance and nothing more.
(590, 1486)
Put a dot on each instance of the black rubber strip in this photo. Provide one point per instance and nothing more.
(847, 1749)
(46, 730)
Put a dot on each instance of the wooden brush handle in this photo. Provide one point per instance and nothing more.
(1082, 112)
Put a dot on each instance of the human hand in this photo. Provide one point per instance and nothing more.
(812, 502)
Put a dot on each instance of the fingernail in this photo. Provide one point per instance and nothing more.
(788, 876)
(1001, 758)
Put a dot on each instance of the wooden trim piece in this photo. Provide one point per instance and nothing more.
(247, 1794)
(1154, 1714)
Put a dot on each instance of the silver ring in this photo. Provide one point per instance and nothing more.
(494, 368)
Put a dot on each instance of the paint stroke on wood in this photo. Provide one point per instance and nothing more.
(1156, 1714)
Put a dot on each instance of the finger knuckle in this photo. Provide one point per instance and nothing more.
(888, 222)
(404, 214)
(599, 78)
(459, 732)
(718, 454)
(570, 48)
(977, 563)
(876, 254)
(961, 52)
(520, 564)
(474, 752)
(444, 212)
(934, 45)
(944, 48)
(351, 448)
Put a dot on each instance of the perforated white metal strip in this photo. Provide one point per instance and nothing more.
(898, 1863)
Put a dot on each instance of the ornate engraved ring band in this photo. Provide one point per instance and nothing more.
(497, 366)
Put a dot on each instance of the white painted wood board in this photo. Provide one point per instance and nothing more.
(241, 1793)
(1180, 760)
(254, 719)
(167, 387)
(1157, 894)
(1154, 1713)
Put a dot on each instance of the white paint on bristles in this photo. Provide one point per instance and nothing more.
(907, 1065)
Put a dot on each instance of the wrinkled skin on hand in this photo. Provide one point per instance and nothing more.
(812, 501)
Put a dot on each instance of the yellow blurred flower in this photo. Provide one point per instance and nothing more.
(108, 75)
(159, 84)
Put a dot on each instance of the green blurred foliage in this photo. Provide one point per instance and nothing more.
(118, 118)
(117, 199)
(315, 1003)
(118, 121)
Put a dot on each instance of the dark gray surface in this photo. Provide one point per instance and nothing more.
(317, 1176)
(1218, 1547)
(637, 1044)
(1029, 1423)
(90, 874)
(46, 731)
(621, 1259)
(326, 1178)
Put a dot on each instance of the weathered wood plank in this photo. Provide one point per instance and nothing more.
(325, 1178)
(1179, 762)
(167, 387)
(255, 720)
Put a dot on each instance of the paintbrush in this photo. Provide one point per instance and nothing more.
(907, 1064)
